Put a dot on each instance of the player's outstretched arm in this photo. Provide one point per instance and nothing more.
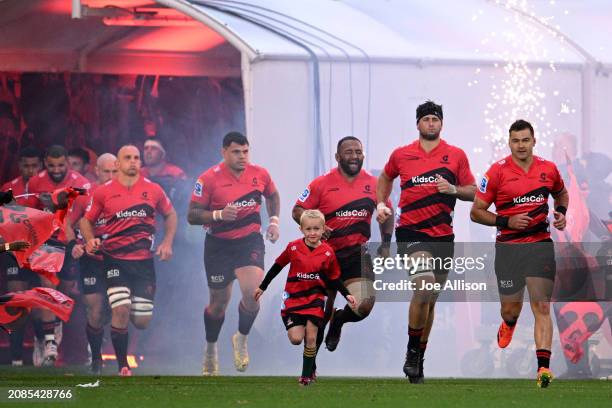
(271, 274)
(164, 250)
(296, 213)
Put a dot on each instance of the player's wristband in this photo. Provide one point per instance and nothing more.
(381, 206)
(562, 209)
(501, 221)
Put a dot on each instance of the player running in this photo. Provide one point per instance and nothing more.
(314, 269)
(346, 195)
(519, 186)
(433, 175)
(128, 204)
(227, 200)
(91, 266)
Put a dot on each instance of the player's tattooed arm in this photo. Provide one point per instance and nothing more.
(198, 214)
(466, 193)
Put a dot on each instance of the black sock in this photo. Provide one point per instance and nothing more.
(423, 347)
(38, 329)
(414, 337)
(246, 318)
(346, 315)
(310, 354)
(543, 356)
(120, 344)
(94, 337)
(212, 326)
(16, 339)
(49, 330)
(510, 323)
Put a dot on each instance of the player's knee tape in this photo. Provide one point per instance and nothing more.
(141, 307)
(420, 271)
(363, 292)
(119, 296)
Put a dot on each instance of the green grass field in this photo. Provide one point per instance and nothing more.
(242, 391)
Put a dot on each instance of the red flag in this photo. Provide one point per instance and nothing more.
(19, 223)
(39, 298)
(577, 322)
(578, 213)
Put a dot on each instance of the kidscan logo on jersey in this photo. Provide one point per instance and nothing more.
(244, 203)
(529, 199)
(129, 214)
(423, 179)
(308, 276)
(353, 213)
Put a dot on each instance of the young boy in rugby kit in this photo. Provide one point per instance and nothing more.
(313, 270)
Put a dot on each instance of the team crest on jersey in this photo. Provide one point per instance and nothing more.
(483, 184)
(197, 191)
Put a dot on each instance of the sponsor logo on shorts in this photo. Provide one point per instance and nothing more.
(506, 284)
(197, 190)
(217, 278)
(112, 273)
(483, 184)
(529, 199)
(131, 214)
(305, 194)
(13, 270)
(307, 276)
(89, 281)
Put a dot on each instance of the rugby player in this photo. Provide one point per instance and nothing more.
(519, 186)
(227, 200)
(20, 279)
(128, 205)
(314, 268)
(91, 266)
(56, 175)
(433, 175)
(346, 195)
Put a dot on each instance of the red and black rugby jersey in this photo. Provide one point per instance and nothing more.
(423, 208)
(217, 187)
(348, 208)
(129, 215)
(515, 192)
(305, 289)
